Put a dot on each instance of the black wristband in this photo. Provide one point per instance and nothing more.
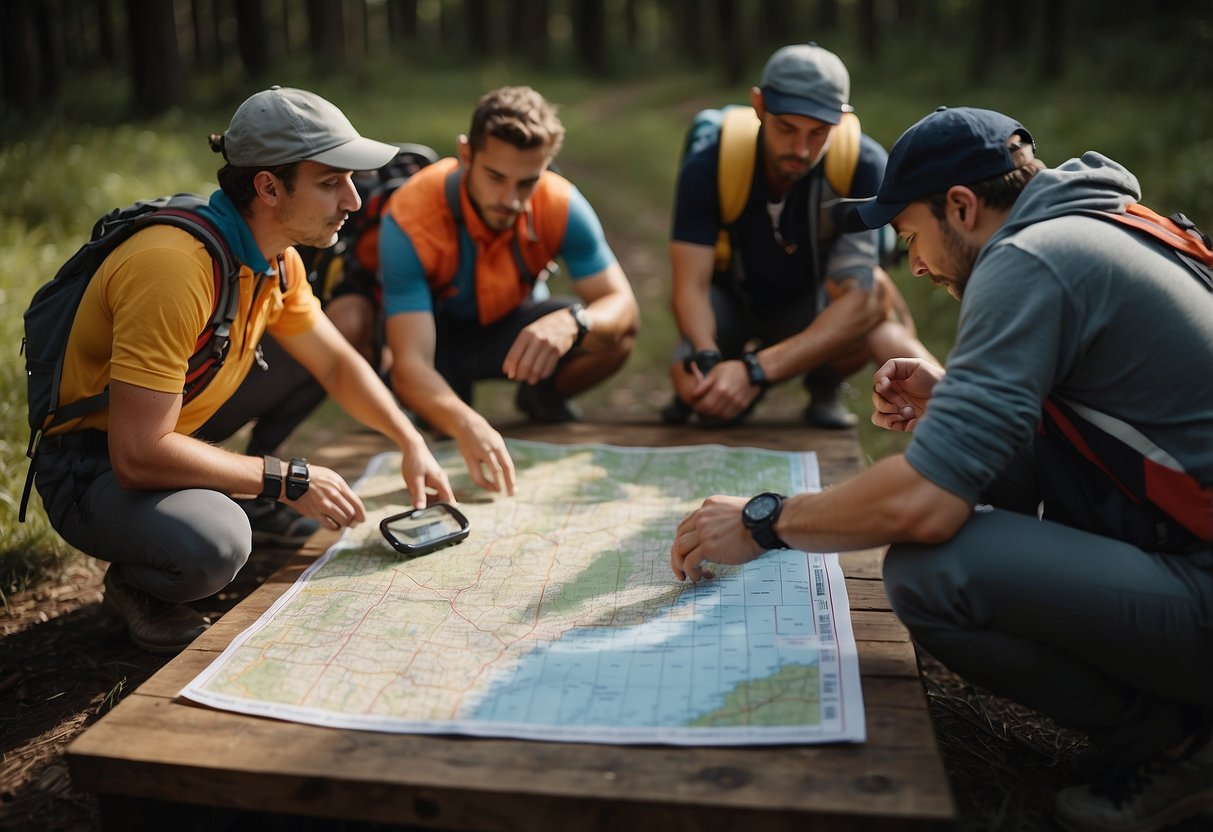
(758, 376)
(577, 310)
(298, 478)
(705, 360)
(271, 479)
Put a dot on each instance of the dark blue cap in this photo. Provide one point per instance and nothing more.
(951, 146)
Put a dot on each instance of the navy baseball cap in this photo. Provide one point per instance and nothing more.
(806, 80)
(951, 146)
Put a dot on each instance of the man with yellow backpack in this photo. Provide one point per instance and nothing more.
(766, 288)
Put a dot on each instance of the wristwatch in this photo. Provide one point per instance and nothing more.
(297, 478)
(759, 516)
(577, 310)
(753, 369)
(271, 479)
(705, 360)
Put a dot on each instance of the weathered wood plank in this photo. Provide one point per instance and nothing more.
(892, 773)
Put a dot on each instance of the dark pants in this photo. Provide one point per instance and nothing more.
(176, 545)
(1094, 632)
(467, 352)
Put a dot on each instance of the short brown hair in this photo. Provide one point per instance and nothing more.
(1000, 191)
(518, 116)
(237, 182)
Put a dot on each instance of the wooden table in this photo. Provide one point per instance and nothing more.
(155, 752)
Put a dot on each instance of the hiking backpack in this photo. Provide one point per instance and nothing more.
(51, 313)
(1117, 482)
(735, 127)
(355, 255)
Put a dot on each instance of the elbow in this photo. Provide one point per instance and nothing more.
(129, 472)
(632, 328)
(933, 530)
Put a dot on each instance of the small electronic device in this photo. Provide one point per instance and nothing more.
(422, 530)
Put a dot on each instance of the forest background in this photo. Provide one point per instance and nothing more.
(109, 101)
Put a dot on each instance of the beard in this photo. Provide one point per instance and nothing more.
(960, 259)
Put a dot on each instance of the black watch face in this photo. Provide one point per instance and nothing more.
(761, 507)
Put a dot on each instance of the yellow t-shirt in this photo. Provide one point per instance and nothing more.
(140, 317)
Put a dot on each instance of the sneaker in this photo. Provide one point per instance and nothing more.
(277, 524)
(542, 404)
(156, 626)
(676, 412)
(1144, 798)
(827, 410)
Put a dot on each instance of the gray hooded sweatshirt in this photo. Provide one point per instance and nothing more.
(1069, 305)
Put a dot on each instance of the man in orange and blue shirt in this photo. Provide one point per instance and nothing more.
(465, 248)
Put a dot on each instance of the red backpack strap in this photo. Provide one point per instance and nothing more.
(1192, 247)
(1134, 465)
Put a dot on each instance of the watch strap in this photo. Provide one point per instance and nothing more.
(763, 530)
(298, 478)
(704, 360)
(753, 369)
(764, 535)
(271, 478)
(577, 310)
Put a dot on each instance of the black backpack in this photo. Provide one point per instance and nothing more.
(354, 258)
(51, 313)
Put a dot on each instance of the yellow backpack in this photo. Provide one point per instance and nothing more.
(738, 128)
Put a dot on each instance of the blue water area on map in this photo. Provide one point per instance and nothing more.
(673, 668)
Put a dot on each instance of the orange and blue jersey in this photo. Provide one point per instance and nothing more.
(429, 260)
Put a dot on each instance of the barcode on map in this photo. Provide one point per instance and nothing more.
(825, 628)
(831, 712)
(819, 581)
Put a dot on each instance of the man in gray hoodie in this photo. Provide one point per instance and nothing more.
(1076, 402)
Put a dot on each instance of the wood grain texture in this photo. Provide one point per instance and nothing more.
(154, 753)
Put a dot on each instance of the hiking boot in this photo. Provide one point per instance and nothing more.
(827, 410)
(543, 405)
(154, 625)
(277, 524)
(676, 412)
(1143, 798)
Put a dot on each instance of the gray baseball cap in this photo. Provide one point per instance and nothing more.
(806, 80)
(283, 125)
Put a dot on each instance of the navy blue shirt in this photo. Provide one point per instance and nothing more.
(776, 272)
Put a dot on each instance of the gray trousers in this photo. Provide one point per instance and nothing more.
(175, 545)
(1099, 635)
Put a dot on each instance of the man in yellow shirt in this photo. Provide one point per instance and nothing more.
(129, 484)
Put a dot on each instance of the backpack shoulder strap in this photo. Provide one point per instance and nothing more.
(1192, 247)
(210, 350)
(455, 204)
(735, 171)
(212, 345)
(843, 155)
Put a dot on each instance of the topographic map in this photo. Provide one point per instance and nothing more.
(559, 618)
